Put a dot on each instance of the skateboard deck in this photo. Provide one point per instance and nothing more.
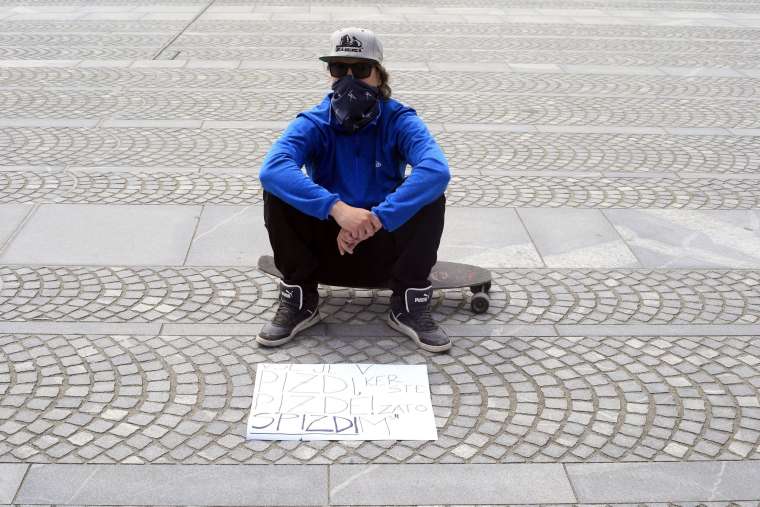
(444, 275)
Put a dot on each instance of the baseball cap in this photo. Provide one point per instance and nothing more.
(354, 42)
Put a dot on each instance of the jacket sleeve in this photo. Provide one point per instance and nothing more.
(429, 177)
(281, 173)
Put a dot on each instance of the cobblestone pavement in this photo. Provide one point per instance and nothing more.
(539, 296)
(171, 399)
(483, 108)
(183, 78)
(571, 375)
(481, 191)
(467, 150)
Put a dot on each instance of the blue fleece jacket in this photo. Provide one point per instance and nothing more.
(364, 169)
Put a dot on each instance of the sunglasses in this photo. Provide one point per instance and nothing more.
(360, 70)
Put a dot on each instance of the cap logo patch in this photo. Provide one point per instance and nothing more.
(349, 43)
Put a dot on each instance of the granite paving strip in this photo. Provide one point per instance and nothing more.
(398, 66)
(96, 187)
(424, 484)
(684, 483)
(90, 26)
(14, 216)
(112, 234)
(495, 108)
(19, 40)
(380, 329)
(184, 399)
(11, 475)
(639, 8)
(191, 40)
(662, 482)
(439, 81)
(735, 59)
(432, 43)
(570, 237)
(488, 152)
(77, 53)
(176, 294)
(570, 28)
(55, 327)
(173, 485)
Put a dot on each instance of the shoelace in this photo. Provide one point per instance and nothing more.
(285, 314)
(424, 319)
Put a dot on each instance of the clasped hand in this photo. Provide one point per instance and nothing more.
(357, 225)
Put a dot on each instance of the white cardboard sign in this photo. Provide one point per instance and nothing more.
(341, 402)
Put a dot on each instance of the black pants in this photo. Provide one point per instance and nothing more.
(306, 249)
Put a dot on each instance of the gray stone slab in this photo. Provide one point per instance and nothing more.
(723, 176)
(235, 16)
(49, 122)
(105, 63)
(467, 67)
(301, 16)
(576, 237)
(448, 484)
(244, 124)
(487, 127)
(591, 129)
(698, 131)
(541, 18)
(542, 68)
(633, 174)
(11, 475)
(175, 485)
(229, 236)
(489, 237)
(378, 329)
(657, 329)
(745, 132)
(665, 482)
(613, 69)
(126, 16)
(159, 63)
(11, 216)
(48, 327)
(104, 234)
(755, 73)
(212, 329)
(191, 124)
(700, 71)
(495, 330)
(39, 63)
(212, 64)
(672, 238)
(45, 16)
(280, 64)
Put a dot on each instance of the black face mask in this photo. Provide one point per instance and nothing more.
(354, 103)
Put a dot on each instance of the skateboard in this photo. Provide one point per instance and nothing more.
(444, 275)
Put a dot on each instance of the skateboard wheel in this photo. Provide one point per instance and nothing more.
(480, 302)
(484, 287)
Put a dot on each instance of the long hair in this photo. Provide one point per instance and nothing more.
(385, 89)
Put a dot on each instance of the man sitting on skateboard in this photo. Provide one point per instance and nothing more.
(355, 145)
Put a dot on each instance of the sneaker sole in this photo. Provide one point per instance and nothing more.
(304, 324)
(411, 333)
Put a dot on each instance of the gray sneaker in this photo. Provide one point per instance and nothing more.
(297, 311)
(410, 315)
